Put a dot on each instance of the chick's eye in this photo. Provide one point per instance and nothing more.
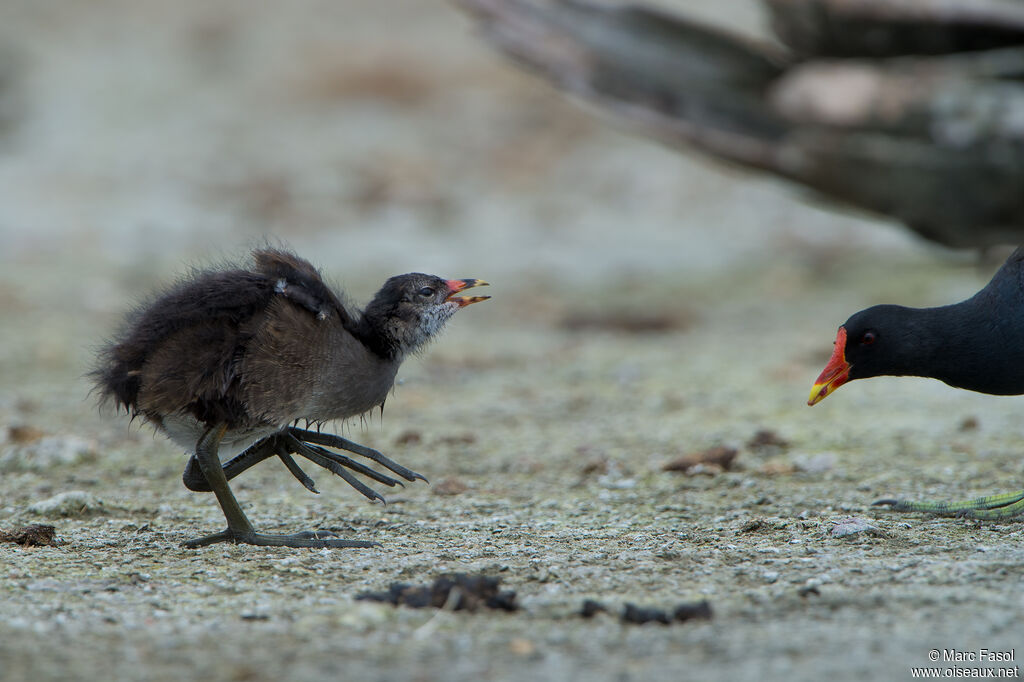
(868, 338)
(426, 292)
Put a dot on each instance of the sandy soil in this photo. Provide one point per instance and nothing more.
(378, 138)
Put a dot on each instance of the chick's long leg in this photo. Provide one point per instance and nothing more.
(209, 464)
(239, 528)
(988, 508)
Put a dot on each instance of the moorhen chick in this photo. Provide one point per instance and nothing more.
(977, 344)
(230, 361)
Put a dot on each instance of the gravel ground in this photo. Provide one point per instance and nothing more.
(646, 306)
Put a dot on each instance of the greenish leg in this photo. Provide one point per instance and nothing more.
(239, 529)
(209, 463)
(988, 508)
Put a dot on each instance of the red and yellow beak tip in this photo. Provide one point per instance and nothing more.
(835, 374)
(820, 391)
(457, 285)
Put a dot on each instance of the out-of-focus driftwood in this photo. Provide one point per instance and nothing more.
(908, 108)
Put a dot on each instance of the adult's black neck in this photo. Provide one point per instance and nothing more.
(977, 344)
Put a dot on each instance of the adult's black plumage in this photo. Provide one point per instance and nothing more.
(977, 344)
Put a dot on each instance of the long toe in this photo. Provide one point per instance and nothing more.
(353, 465)
(309, 538)
(1004, 512)
(335, 466)
(224, 536)
(333, 441)
(317, 539)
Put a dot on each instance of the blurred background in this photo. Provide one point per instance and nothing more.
(137, 138)
(384, 136)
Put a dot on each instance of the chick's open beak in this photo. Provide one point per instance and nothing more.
(835, 374)
(457, 285)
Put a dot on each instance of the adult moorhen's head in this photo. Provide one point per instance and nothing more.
(881, 340)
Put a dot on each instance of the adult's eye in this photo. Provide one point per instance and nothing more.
(868, 338)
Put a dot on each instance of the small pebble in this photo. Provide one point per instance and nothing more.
(969, 424)
(450, 486)
(521, 646)
(698, 462)
(409, 438)
(816, 464)
(45, 452)
(767, 439)
(852, 526)
(70, 503)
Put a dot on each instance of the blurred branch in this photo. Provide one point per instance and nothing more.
(921, 125)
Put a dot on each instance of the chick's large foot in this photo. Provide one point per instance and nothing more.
(316, 539)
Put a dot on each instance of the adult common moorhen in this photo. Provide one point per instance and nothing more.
(230, 360)
(977, 344)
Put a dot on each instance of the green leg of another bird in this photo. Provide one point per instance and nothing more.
(989, 508)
